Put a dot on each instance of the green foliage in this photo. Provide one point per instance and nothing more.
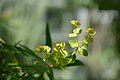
(48, 36)
(59, 57)
(73, 43)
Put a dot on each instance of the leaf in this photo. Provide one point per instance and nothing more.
(41, 70)
(76, 63)
(53, 59)
(82, 51)
(85, 52)
(72, 35)
(90, 31)
(1, 40)
(43, 48)
(9, 47)
(73, 43)
(41, 77)
(50, 74)
(21, 51)
(65, 61)
(13, 59)
(77, 30)
(84, 42)
(48, 36)
(32, 54)
(75, 23)
(28, 51)
(12, 64)
(89, 38)
(73, 57)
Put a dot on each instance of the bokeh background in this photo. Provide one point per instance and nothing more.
(25, 21)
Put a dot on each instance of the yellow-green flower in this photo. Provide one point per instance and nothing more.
(75, 23)
(90, 31)
(37, 50)
(59, 46)
(43, 48)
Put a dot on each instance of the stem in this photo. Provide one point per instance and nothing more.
(78, 41)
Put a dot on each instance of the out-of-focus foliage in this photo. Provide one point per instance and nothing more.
(11, 67)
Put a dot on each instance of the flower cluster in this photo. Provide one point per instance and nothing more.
(60, 57)
(81, 49)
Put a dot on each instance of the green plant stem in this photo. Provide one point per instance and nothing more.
(78, 41)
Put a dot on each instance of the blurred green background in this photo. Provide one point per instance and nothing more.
(25, 21)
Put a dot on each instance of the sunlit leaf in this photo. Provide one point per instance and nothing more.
(73, 43)
(90, 31)
(65, 53)
(77, 30)
(84, 42)
(76, 63)
(65, 61)
(89, 38)
(1, 40)
(43, 48)
(73, 57)
(72, 35)
(82, 51)
(54, 59)
(75, 23)
(12, 64)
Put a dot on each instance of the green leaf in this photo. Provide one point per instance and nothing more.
(72, 35)
(77, 30)
(45, 49)
(73, 57)
(48, 36)
(85, 52)
(40, 71)
(53, 58)
(32, 54)
(90, 31)
(21, 51)
(82, 51)
(41, 76)
(84, 42)
(89, 38)
(50, 74)
(1, 40)
(76, 63)
(76, 23)
(65, 53)
(65, 61)
(12, 64)
(28, 51)
(73, 43)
